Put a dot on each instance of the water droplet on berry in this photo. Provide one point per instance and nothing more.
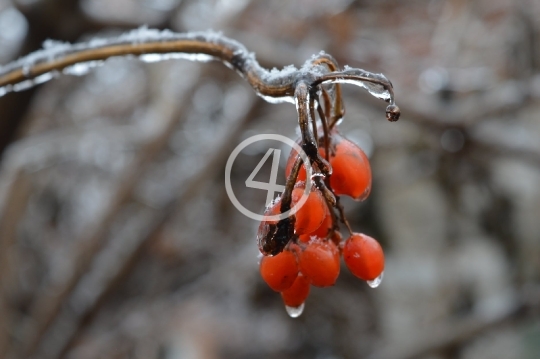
(376, 282)
(295, 312)
(259, 258)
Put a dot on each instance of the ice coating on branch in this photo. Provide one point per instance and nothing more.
(55, 44)
(288, 74)
(32, 69)
(54, 50)
(149, 58)
(277, 77)
(270, 99)
(24, 85)
(81, 68)
(308, 67)
(376, 84)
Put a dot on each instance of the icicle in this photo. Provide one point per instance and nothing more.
(295, 312)
(376, 282)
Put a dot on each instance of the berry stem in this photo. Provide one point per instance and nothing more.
(327, 193)
(324, 122)
(327, 104)
(339, 109)
(313, 121)
(330, 199)
(286, 196)
(344, 220)
(304, 106)
(334, 77)
(335, 222)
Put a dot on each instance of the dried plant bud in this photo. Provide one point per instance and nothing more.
(392, 113)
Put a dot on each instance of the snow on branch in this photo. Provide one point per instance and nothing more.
(150, 45)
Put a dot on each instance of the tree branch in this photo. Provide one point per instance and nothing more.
(153, 45)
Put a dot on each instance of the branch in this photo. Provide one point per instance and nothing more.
(153, 45)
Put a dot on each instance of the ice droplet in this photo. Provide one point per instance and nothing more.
(339, 122)
(295, 312)
(26, 84)
(275, 100)
(375, 90)
(81, 68)
(364, 195)
(376, 282)
(376, 84)
(26, 70)
(149, 58)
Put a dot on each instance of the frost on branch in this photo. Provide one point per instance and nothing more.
(150, 45)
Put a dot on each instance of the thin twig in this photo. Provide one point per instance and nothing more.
(286, 196)
(304, 103)
(326, 133)
(338, 109)
(327, 104)
(342, 217)
(45, 64)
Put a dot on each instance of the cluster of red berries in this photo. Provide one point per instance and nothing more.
(312, 246)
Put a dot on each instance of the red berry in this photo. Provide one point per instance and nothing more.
(363, 256)
(279, 271)
(319, 262)
(323, 229)
(273, 236)
(351, 172)
(272, 210)
(296, 295)
(290, 164)
(312, 213)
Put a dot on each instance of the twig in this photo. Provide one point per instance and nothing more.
(304, 104)
(290, 85)
(326, 134)
(45, 64)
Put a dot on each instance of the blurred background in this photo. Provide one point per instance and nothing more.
(118, 240)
